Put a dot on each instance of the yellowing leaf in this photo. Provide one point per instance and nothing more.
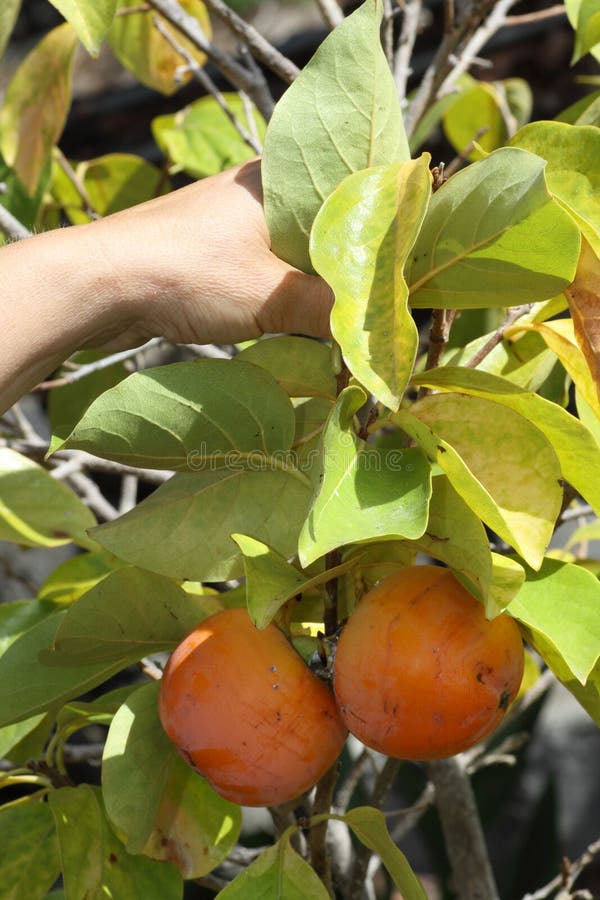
(560, 337)
(8, 16)
(36, 103)
(91, 19)
(584, 302)
(141, 48)
(360, 241)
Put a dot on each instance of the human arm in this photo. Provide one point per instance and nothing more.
(193, 266)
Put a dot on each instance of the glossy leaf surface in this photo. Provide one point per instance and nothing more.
(493, 237)
(340, 115)
(91, 19)
(362, 493)
(158, 803)
(360, 242)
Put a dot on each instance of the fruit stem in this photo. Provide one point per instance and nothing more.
(330, 614)
(465, 843)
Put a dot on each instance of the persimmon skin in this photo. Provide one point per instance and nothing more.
(247, 713)
(419, 672)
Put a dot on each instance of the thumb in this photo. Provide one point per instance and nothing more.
(297, 303)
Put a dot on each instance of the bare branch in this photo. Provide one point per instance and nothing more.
(513, 313)
(97, 366)
(208, 85)
(567, 879)
(129, 492)
(406, 43)
(387, 32)
(362, 856)
(465, 844)
(526, 18)
(76, 182)
(260, 46)
(332, 12)
(92, 496)
(252, 83)
(494, 22)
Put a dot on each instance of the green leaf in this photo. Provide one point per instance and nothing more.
(279, 873)
(16, 199)
(128, 615)
(202, 140)
(270, 579)
(36, 103)
(362, 493)
(75, 576)
(199, 415)
(158, 803)
(369, 826)
(455, 535)
(29, 864)
(183, 530)
(91, 19)
(36, 510)
(577, 450)
(12, 735)
(519, 247)
(519, 496)
(559, 608)
(141, 48)
(339, 116)
(112, 183)
(585, 111)
(301, 366)
(572, 171)
(67, 404)
(587, 28)
(311, 415)
(8, 17)
(95, 864)
(18, 617)
(360, 242)
(507, 579)
(479, 114)
(29, 687)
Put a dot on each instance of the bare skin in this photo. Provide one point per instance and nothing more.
(194, 266)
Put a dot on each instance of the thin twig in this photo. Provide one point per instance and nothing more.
(262, 49)
(346, 790)
(332, 12)
(129, 492)
(462, 157)
(449, 16)
(567, 879)
(441, 322)
(92, 496)
(256, 87)
(412, 814)
(12, 228)
(494, 22)
(406, 43)
(513, 313)
(387, 32)
(583, 511)
(97, 366)
(526, 18)
(207, 83)
(77, 183)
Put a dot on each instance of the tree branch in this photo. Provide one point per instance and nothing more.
(262, 49)
(513, 313)
(208, 85)
(363, 855)
(406, 43)
(253, 83)
(463, 835)
(333, 14)
(567, 878)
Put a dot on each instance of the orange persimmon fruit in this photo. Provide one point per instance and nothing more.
(419, 671)
(245, 711)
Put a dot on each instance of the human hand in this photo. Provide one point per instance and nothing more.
(195, 266)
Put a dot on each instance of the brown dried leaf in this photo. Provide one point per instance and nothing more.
(584, 302)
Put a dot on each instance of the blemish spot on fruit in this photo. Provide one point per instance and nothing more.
(275, 687)
(504, 700)
(272, 668)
